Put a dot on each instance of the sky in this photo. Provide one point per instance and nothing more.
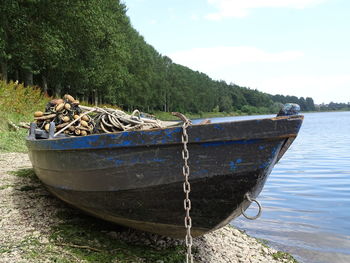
(289, 47)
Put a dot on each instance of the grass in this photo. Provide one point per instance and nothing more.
(86, 238)
(2, 187)
(81, 238)
(29, 174)
(263, 242)
(86, 242)
(13, 141)
(283, 255)
(17, 103)
(25, 173)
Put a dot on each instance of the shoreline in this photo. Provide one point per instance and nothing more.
(36, 227)
(167, 115)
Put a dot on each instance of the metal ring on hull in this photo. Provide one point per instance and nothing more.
(247, 196)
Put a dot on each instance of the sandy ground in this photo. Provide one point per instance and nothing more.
(27, 212)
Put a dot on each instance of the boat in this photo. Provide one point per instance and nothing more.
(135, 178)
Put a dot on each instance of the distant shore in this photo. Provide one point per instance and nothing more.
(168, 116)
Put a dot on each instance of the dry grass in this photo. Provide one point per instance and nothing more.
(17, 103)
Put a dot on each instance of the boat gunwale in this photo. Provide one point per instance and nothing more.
(33, 143)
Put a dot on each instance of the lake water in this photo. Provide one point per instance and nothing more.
(306, 199)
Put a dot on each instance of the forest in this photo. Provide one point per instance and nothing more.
(90, 50)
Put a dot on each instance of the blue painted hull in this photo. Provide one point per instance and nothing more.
(135, 178)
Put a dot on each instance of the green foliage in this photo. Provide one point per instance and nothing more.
(17, 103)
(332, 106)
(279, 255)
(2, 187)
(263, 242)
(26, 173)
(13, 141)
(305, 104)
(90, 50)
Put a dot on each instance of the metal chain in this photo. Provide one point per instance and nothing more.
(187, 190)
(186, 185)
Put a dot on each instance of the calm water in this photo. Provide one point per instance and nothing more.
(306, 199)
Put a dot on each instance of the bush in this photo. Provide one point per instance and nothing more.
(18, 103)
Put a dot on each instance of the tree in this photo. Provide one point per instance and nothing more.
(310, 106)
(90, 50)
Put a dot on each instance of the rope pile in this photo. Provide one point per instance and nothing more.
(73, 119)
(111, 120)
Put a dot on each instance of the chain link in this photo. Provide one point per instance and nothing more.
(187, 190)
(186, 186)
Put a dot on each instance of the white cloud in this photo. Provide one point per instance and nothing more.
(272, 72)
(194, 17)
(322, 88)
(208, 59)
(241, 8)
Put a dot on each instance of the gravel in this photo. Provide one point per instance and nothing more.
(28, 211)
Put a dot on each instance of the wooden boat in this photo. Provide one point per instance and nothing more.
(135, 178)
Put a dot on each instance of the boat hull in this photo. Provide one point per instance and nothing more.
(139, 184)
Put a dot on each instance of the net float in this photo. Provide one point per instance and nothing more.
(65, 119)
(85, 118)
(67, 106)
(59, 107)
(77, 131)
(56, 101)
(69, 98)
(84, 123)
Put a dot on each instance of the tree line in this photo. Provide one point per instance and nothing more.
(90, 50)
(333, 106)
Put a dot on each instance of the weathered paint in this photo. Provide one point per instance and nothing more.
(233, 164)
(273, 153)
(240, 132)
(218, 127)
(135, 178)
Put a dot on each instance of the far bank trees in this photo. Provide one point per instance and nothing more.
(90, 50)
